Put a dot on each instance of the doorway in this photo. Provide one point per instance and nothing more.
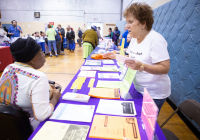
(97, 24)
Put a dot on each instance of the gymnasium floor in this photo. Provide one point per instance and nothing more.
(63, 69)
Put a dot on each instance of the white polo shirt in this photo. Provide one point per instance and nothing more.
(151, 50)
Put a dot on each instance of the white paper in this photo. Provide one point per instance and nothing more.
(85, 68)
(76, 97)
(108, 62)
(93, 62)
(108, 75)
(90, 74)
(72, 112)
(114, 107)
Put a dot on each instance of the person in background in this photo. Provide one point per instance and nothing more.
(5, 29)
(2, 33)
(117, 34)
(90, 41)
(150, 54)
(80, 36)
(37, 34)
(98, 33)
(58, 41)
(70, 27)
(32, 90)
(51, 39)
(130, 41)
(70, 37)
(33, 36)
(124, 35)
(14, 30)
(110, 34)
(62, 32)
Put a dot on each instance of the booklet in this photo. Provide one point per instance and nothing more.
(91, 83)
(107, 93)
(90, 74)
(62, 131)
(76, 97)
(116, 107)
(93, 62)
(96, 68)
(108, 75)
(112, 68)
(108, 62)
(114, 127)
(73, 112)
(124, 85)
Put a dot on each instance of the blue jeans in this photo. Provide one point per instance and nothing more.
(159, 103)
(52, 43)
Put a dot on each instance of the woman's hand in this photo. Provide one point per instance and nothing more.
(56, 94)
(109, 55)
(133, 64)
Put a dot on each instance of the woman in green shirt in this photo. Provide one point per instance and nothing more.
(51, 40)
(110, 33)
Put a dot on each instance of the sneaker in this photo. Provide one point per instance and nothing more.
(56, 55)
(62, 52)
(50, 55)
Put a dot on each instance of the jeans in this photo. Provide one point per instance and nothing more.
(58, 46)
(159, 103)
(52, 43)
(79, 42)
(116, 42)
(62, 48)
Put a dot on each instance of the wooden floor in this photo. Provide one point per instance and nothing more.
(63, 69)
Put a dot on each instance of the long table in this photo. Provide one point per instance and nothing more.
(5, 57)
(137, 98)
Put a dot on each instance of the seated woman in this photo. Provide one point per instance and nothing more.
(149, 49)
(22, 85)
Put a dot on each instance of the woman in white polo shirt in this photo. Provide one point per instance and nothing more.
(149, 49)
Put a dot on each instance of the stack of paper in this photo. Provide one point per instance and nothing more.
(93, 62)
(108, 62)
(76, 97)
(91, 83)
(112, 68)
(108, 75)
(108, 84)
(114, 107)
(78, 83)
(73, 112)
(107, 93)
(87, 68)
(123, 85)
(114, 127)
(61, 131)
(90, 74)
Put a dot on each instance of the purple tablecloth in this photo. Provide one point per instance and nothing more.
(137, 98)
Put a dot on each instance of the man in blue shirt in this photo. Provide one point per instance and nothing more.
(14, 30)
(124, 35)
(117, 34)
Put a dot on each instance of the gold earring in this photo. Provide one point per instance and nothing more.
(32, 62)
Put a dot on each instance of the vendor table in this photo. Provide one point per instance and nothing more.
(137, 98)
(5, 57)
